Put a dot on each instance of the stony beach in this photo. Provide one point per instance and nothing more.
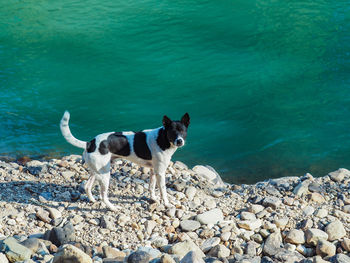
(45, 216)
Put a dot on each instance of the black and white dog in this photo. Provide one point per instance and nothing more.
(149, 148)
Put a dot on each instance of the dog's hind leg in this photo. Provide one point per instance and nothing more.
(88, 187)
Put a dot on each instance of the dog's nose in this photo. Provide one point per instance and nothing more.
(179, 142)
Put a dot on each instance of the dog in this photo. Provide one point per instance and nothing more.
(151, 148)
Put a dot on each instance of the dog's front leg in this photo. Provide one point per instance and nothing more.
(160, 173)
(152, 186)
(88, 187)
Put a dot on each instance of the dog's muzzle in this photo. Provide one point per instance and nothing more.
(179, 142)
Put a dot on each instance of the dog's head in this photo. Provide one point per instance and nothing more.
(176, 131)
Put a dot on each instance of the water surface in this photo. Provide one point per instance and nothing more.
(266, 83)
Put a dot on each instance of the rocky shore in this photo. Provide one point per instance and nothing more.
(45, 216)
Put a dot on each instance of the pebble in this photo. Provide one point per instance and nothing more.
(295, 236)
(189, 225)
(210, 243)
(313, 235)
(240, 223)
(335, 230)
(211, 217)
(325, 248)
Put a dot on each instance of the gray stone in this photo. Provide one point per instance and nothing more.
(54, 213)
(210, 243)
(31, 243)
(295, 236)
(189, 225)
(313, 235)
(192, 257)
(190, 192)
(308, 210)
(106, 222)
(325, 248)
(210, 217)
(283, 255)
(43, 216)
(338, 175)
(335, 230)
(272, 201)
(154, 253)
(272, 244)
(208, 173)
(139, 257)
(248, 216)
(182, 248)
(340, 258)
(159, 242)
(315, 188)
(62, 235)
(302, 188)
(219, 251)
(250, 248)
(150, 225)
(71, 254)
(14, 251)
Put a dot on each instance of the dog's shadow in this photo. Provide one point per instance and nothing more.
(54, 195)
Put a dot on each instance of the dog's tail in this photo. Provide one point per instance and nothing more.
(67, 134)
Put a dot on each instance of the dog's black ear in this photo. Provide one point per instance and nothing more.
(166, 121)
(186, 119)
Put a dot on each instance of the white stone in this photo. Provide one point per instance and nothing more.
(210, 217)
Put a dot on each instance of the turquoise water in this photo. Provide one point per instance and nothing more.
(266, 83)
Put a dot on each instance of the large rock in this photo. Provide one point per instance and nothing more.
(210, 243)
(62, 235)
(295, 236)
(338, 175)
(31, 243)
(208, 173)
(189, 225)
(71, 254)
(340, 258)
(3, 258)
(182, 248)
(139, 257)
(210, 217)
(313, 235)
(286, 256)
(335, 230)
(192, 257)
(272, 201)
(15, 251)
(302, 188)
(219, 251)
(325, 248)
(250, 224)
(273, 244)
(346, 244)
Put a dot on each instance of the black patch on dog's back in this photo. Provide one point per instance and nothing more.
(91, 146)
(116, 143)
(103, 148)
(162, 140)
(140, 146)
